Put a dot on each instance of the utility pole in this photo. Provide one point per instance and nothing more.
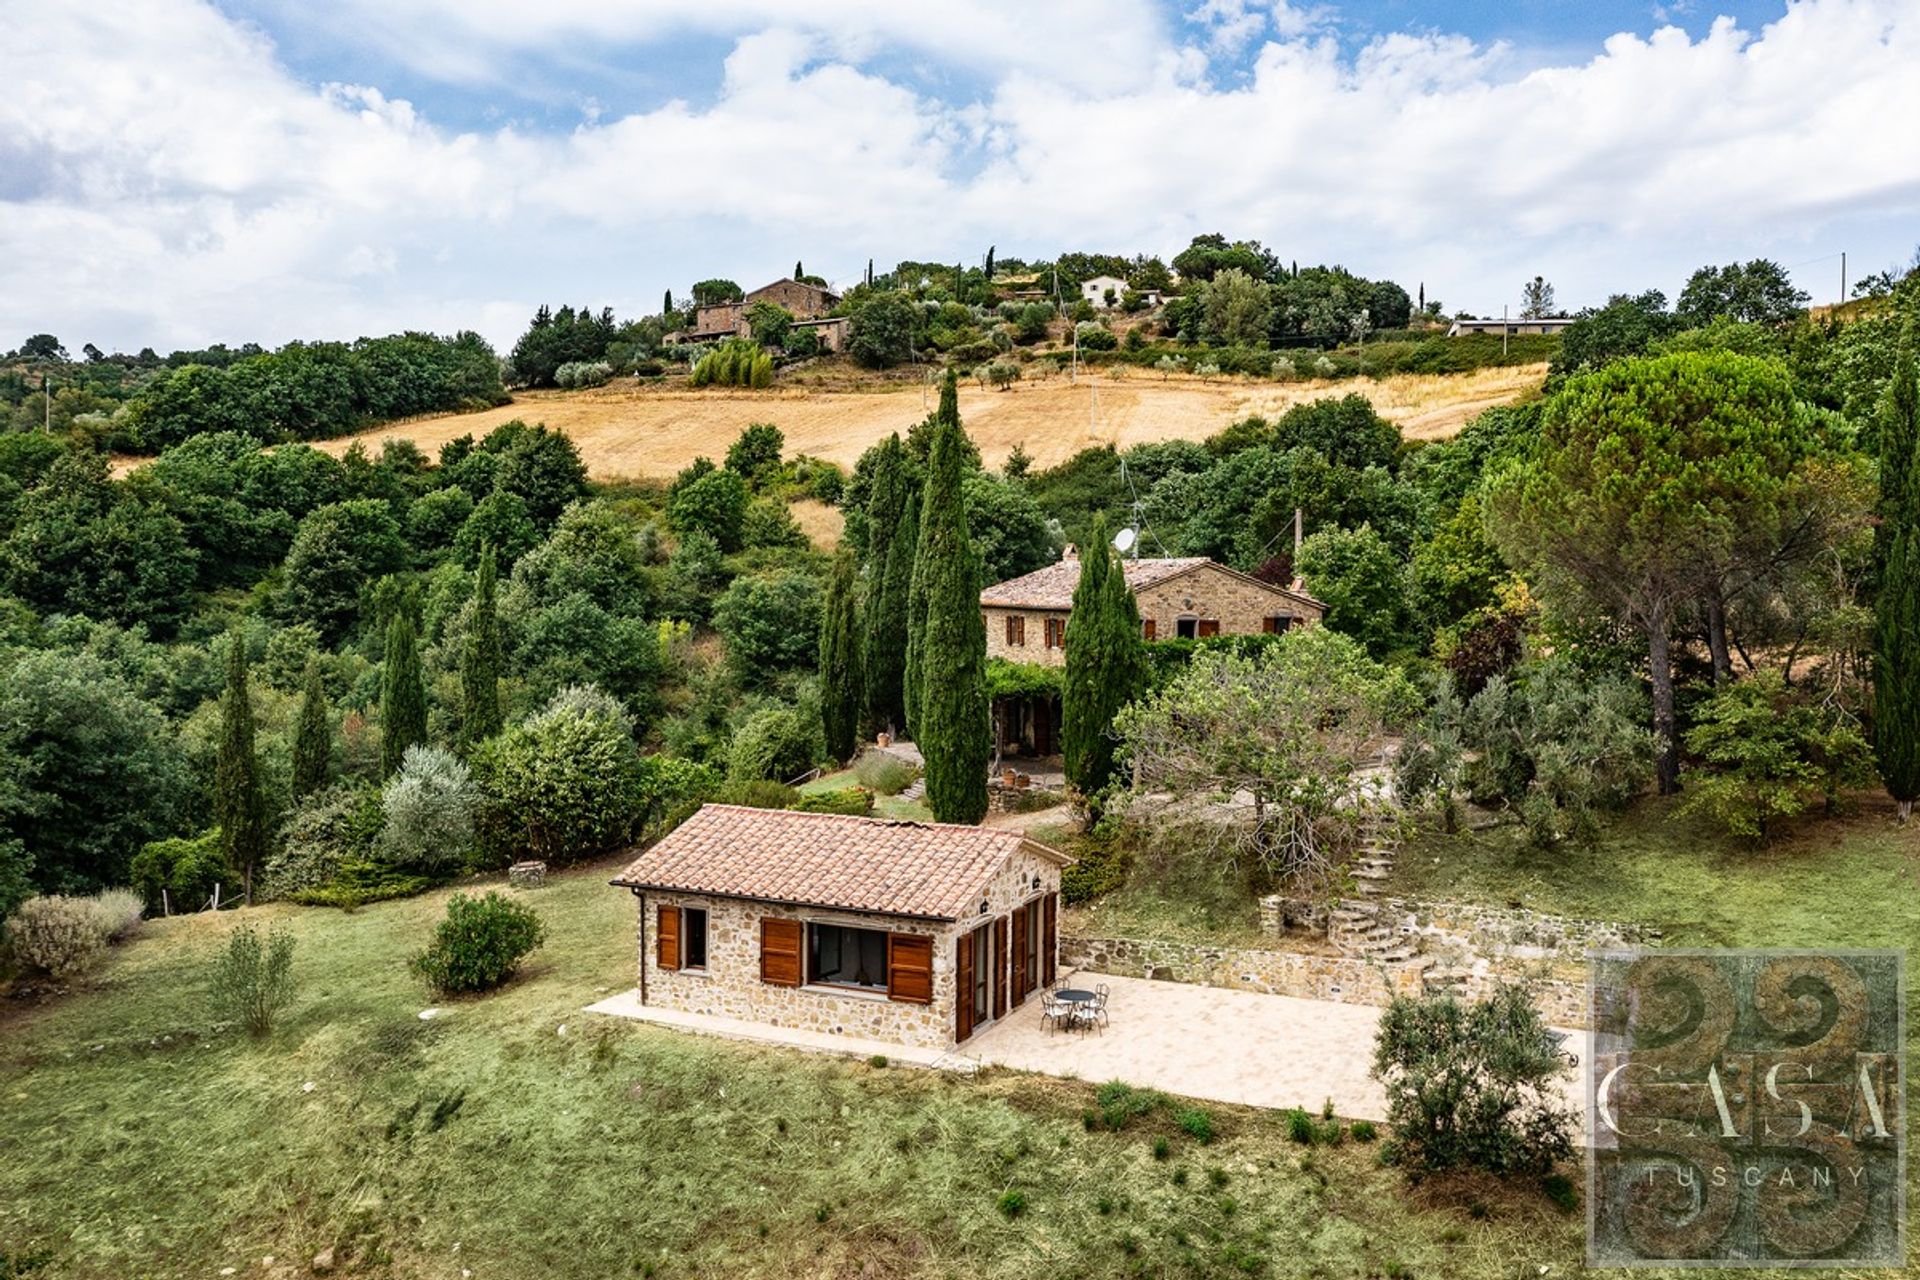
(1504, 329)
(1296, 540)
(46, 393)
(1843, 276)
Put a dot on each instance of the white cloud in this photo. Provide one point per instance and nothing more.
(165, 180)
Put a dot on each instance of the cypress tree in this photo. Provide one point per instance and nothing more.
(313, 740)
(989, 264)
(480, 660)
(840, 684)
(799, 272)
(951, 704)
(239, 804)
(903, 562)
(869, 273)
(1896, 657)
(883, 620)
(1104, 665)
(403, 696)
(666, 303)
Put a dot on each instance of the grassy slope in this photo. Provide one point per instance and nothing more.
(137, 1140)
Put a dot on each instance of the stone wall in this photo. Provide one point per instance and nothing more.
(1279, 973)
(1506, 933)
(1240, 605)
(730, 986)
(1034, 647)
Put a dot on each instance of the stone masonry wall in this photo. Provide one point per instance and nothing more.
(730, 986)
(1507, 932)
(1241, 607)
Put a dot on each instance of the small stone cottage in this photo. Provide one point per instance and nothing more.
(906, 932)
(1180, 598)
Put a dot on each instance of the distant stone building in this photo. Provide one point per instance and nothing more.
(1513, 328)
(1188, 598)
(808, 304)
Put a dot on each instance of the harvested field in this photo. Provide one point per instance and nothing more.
(652, 432)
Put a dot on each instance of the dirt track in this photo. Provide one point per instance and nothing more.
(649, 432)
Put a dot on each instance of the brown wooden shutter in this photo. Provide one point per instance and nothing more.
(1022, 980)
(1147, 628)
(1207, 627)
(1050, 939)
(667, 938)
(780, 952)
(910, 968)
(963, 980)
(1000, 967)
(1270, 625)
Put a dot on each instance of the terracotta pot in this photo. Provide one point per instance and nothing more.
(883, 740)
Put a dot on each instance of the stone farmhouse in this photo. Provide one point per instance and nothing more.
(1105, 292)
(808, 303)
(910, 933)
(1186, 598)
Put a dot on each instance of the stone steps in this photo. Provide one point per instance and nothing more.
(915, 790)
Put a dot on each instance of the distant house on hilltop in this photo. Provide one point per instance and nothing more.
(1183, 598)
(809, 305)
(1513, 328)
(1103, 291)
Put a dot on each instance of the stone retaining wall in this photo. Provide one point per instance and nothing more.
(1473, 929)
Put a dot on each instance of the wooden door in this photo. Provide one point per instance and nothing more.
(1022, 975)
(1049, 939)
(963, 979)
(1042, 725)
(1000, 967)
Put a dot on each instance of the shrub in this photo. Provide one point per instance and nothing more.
(582, 373)
(1363, 1131)
(885, 774)
(120, 911)
(1471, 1085)
(479, 944)
(1012, 1202)
(857, 801)
(777, 741)
(183, 869)
(429, 808)
(1102, 867)
(252, 980)
(1301, 1128)
(1162, 1148)
(64, 936)
(1120, 1103)
(327, 832)
(1558, 1187)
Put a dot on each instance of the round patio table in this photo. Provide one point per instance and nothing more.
(1079, 1000)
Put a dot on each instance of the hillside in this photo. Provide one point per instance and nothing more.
(641, 431)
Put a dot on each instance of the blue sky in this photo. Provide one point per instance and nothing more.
(174, 172)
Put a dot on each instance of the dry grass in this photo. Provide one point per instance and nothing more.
(626, 430)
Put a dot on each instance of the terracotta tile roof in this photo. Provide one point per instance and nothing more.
(1052, 587)
(927, 869)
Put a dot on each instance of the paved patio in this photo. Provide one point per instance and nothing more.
(1199, 1042)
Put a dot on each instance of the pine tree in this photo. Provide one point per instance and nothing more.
(480, 660)
(240, 806)
(840, 684)
(951, 731)
(883, 623)
(313, 740)
(1896, 659)
(403, 696)
(1104, 666)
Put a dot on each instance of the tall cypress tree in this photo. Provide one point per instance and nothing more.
(883, 621)
(313, 740)
(239, 804)
(952, 728)
(666, 303)
(799, 272)
(1105, 666)
(903, 565)
(841, 688)
(1896, 657)
(480, 660)
(403, 695)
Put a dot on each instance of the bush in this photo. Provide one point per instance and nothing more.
(1363, 1131)
(120, 911)
(1120, 1103)
(429, 808)
(857, 801)
(1013, 1202)
(184, 869)
(1102, 867)
(330, 830)
(1471, 1085)
(253, 979)
(63, 936)
(1558, 1187)
(885, 774)
(582, 373)
(1301, 1128)
(1195, 1122)
(778, 741)
(479, 944)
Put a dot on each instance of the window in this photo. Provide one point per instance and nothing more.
(1016, 633)
(1147, 628)
(1187, 628)
(1056, 633)
(693, 938)
(1278, 623)
(845, 957)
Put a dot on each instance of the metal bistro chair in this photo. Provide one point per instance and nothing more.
(1095, 1014)
(1053, 1014)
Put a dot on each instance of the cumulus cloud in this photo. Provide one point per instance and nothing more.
(166, 179)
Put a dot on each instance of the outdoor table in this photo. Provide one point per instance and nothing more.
(1078, 1000)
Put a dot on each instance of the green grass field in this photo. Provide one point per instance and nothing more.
(138, 1140)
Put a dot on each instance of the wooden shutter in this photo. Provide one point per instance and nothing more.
(1207, 627)
(1022, 980)
(1270, 625)
(1000, 967)
(910, 968)
(963, 980)
(780, 952)
(1050, 939)
(667, 938)
(1147, 628)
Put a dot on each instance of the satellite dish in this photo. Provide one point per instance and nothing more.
(1123, 541)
